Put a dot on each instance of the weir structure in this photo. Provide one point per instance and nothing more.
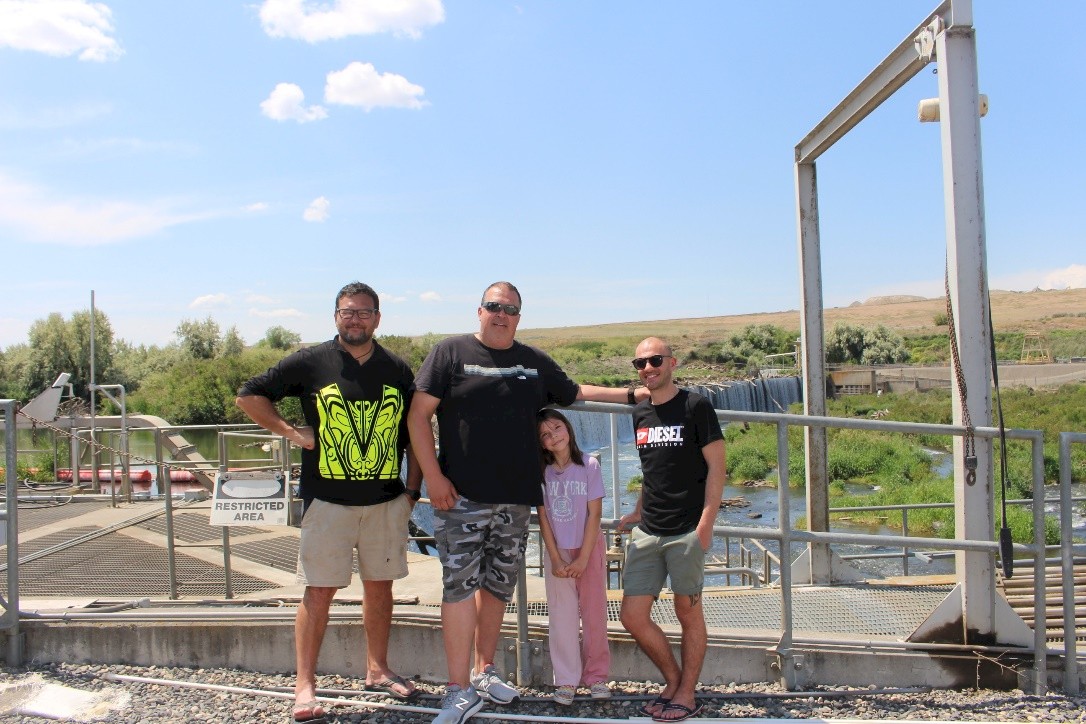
(810, 620)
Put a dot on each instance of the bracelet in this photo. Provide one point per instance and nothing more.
(630, 399)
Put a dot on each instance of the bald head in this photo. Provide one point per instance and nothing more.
(652, 345)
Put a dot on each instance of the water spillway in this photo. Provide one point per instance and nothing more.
(773, 394)
(765, 394)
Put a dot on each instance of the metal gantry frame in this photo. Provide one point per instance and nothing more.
(947, 38)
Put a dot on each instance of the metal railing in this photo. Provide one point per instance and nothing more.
(785, 535)
(751, 539)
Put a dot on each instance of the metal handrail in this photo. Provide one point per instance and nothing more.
(751, 539)
(784, 534)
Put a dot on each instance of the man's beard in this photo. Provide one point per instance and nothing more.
(356, 338)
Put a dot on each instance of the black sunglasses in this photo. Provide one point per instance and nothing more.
(493, 307)
(655, 360)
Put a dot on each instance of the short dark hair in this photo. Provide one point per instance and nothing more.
(507, 286)
(575, 453)
(355, 288)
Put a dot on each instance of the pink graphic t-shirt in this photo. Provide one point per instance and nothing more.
(566, 495)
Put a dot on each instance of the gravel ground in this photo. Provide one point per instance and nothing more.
(147, 703)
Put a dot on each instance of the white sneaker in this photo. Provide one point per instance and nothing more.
(458, 705)
(491, 686)
(600, 690)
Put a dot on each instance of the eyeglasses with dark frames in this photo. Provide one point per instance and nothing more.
(357, 313)
(655, 360)
(494, 307)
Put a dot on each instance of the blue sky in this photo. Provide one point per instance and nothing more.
(616, 161)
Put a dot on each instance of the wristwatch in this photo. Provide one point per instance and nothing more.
(413, 494)
(630, 399)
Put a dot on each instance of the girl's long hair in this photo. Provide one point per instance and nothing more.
(575, 453)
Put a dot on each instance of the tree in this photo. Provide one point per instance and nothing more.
(856, 345)
(79, 339)
(883, 347)
(199, 339)
(845, 344)
(279, 337)
(133, 364)
(232, 344)
(747, 349)
(59, 346)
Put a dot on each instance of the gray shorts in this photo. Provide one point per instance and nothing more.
(480, 546)
(652, 558)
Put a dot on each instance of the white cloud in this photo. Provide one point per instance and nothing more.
(117, 147)
(275, 313)
(209, 300)
(258, 299)
(82, 222)
(305, 20)
(60, 28)
(1072, 277)
(317, 209)
(430, 297)
(359, 84)
(392, 299)
(17, 118)
(256, 208)
(287, 103)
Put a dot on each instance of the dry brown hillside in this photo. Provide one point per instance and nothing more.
(1041, 311)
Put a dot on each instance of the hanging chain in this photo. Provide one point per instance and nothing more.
(970, 449)
(98, 446)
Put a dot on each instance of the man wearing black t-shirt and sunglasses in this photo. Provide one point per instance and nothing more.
(486, 389)
(681, 448)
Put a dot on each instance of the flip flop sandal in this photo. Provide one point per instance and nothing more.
(658, 701)
(385, 686)
(685, 712)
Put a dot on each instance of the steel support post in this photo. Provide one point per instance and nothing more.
(786, 660)
(524, 654)
(11, 614)
(814, 369)
(1067, 556)
(167, 493)
(967, 264)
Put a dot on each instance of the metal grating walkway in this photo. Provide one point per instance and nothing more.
(115, 565)
(857, 610)
(131, 562)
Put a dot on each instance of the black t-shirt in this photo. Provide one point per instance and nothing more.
(489, 446)
(359, 418)
(669, 439)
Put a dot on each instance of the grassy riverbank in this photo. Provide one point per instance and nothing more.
(873, 469)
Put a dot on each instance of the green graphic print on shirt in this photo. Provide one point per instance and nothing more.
(359, 440)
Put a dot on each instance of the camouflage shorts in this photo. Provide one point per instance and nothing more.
(480, 546)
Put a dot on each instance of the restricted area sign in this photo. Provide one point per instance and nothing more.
(245, 498)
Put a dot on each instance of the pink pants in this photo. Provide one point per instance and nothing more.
(579, 656)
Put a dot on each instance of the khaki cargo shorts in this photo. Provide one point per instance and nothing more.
(331, 533)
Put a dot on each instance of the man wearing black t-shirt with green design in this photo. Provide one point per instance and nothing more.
(354, 396)
(681, 448)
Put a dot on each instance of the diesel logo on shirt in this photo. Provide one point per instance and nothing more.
(662, 435)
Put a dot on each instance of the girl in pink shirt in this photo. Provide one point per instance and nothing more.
(574, 561)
